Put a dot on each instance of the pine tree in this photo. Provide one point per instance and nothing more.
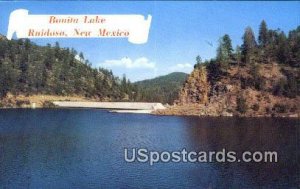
(263, 34)
(198, 62)
(8, 77)
(3, 48)
(282, 49)
(23, 66)
(238, 58)
(224, 52)
(57, 51)
(227, 45)
(238, 54)
(248, 46)
(81, 57)
(294, 47)
(30, 69)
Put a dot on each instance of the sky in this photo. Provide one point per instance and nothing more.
(178, 33)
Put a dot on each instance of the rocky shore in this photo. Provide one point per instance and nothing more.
(201, 96)
(202, 110)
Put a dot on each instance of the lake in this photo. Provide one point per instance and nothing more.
(84, 148)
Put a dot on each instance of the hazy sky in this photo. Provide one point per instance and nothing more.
(179, 31)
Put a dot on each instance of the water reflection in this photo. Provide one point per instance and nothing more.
(249, 134)
(84, 149)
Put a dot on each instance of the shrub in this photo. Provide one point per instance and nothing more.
(19, 103)
(279, 88)
(246, 82)
(255, 107)
(48, 104)
(259, 84)
(286, 88)
(291, 87)
(294, 108)
(280, 108)
(214, 71)
(242, 106)
(259, 97)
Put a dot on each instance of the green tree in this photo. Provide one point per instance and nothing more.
(282, 50)
(238, 54)
(8, 77)
(294, 47)
(263, 34)
(23, 66)
(238, 58)
(248, 46)
(3, 48)
(57, 51)
(198, 62)
(291, 87)
(81, 57)
(227, 45)
(30, 69)
(272, 47)
(224, 52)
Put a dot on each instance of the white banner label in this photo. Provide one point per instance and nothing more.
(133, 27)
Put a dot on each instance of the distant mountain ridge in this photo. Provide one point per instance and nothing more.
(163, 89)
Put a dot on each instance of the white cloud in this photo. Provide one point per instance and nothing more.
(126, 62)
(185, 67)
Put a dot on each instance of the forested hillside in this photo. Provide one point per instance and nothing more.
(259, 78)
(163, 89)
(29, 69)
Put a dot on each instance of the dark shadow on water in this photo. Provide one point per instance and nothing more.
(250, 134)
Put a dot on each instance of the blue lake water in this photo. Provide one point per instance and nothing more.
(84, 148)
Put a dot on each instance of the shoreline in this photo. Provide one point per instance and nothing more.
(193, 110)
(233, 116)
(199, 111)
(151, 112)
(122, 106)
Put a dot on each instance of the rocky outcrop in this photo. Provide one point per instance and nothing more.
(195, 89)
(236, 93)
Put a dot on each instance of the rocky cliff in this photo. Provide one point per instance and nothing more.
(195, 89)
(242, 91)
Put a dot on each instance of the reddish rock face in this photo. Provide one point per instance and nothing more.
(202, 96)
(196, 88)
